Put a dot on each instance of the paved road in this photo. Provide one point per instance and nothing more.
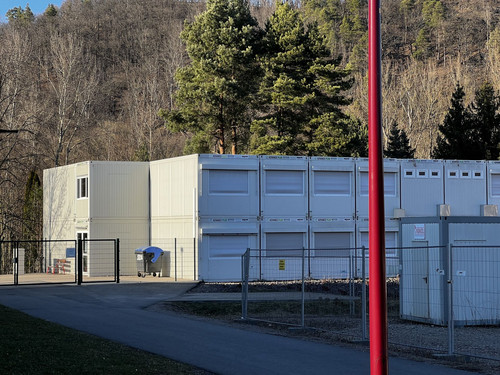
(117, 312)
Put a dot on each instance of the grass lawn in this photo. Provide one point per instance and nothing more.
(33, 346)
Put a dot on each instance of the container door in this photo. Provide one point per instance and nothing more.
(416, 291)
(85, 257)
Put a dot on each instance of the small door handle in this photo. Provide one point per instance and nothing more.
(425, 279)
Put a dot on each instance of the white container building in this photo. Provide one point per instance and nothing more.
(217, 206)
(98, 200)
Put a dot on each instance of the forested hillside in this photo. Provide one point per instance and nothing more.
(101, 80)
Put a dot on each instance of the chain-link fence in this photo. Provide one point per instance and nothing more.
(328, 290)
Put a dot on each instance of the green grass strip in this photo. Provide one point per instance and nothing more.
(34, 346)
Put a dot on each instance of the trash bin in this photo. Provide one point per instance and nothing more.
(148, 260)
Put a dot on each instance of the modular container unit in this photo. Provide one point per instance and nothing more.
(284, 187)
(422, 187)
(465, 186)
(332, 243)
(331, 187)
(222, 243)
(282, 244)
(229, 186)
(392, 189)
(101, 199)
(474, 261)
(174, 203)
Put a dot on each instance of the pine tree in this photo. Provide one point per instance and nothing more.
(398, 145)
(215, 89)
(301, 92)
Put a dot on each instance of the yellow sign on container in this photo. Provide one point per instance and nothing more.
(282, 264)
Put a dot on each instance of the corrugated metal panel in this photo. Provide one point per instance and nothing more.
(59, 197)
(119, 190)
(392, 193)
(173, 185)
(284, 187)
(229, 186)
(422, 187)
(331, 187)
(465, 186)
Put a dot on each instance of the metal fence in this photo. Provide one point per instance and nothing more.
(59, 261)
(444, 300)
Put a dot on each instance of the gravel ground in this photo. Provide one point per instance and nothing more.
(408, 339)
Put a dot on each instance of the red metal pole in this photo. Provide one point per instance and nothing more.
(378, 291)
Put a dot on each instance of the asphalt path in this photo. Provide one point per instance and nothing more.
(119, 312)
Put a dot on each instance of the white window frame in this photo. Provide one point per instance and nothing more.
(79, 193)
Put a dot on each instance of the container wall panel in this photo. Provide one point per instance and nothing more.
(283, 240)
(222, 244)
(174, 183)
(332, 187)
(132, 235)
(284, 186)
(422, 187)
(332, 250)
(465, 187)
(392, 193)
(119, 190)
(391, 244)
(59, 197)
(229, 186)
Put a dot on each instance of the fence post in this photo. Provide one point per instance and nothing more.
(451, 320)
(363, 293)
(302, 312)
(194, 259)
(245, 265)
(175, 259)
(351, 284)
(16, 262)
(117, 260)
(80, 261)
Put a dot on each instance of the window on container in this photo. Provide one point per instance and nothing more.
(231, 182)
(285, 182)
(332, 244)
(389, 184)
(409, 173)
(227, 246)
(391, 242)
(495, 184)
(332, 183)
(82, 187)
(284, 244)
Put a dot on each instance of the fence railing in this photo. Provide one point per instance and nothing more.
(444, 299)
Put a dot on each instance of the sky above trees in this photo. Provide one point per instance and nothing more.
(37, 6)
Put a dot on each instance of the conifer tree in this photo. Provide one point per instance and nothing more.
(456, 130)
(301, 92)
(398, 145)
(215, 89)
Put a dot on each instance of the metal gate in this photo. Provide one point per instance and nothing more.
(26, 262)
